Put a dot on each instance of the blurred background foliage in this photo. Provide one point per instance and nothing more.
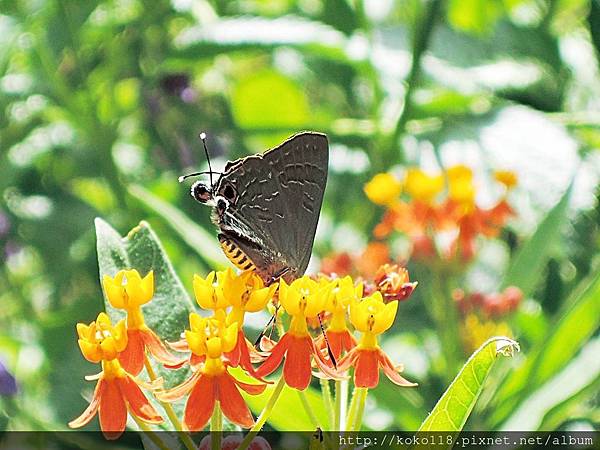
(102, 103)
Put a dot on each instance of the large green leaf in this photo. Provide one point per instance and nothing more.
(203, 242)
(527, 266)
(167, 313)
(453, 408)
(578, 320)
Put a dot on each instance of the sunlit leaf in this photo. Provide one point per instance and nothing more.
(578, 320)
(453, 408)
(527, 266)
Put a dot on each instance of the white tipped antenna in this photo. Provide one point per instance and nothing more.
(203, 139)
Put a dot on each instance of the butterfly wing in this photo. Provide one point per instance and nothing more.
(274, 215)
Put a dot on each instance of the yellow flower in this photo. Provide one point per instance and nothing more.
(100, 341)
(208, 292)
(342, 295)
(210, 336)
(383, 189)
(128, 290)
(421, 186)
(245, 293)
(303, 298)
(372, 317)
(506, 177)
(460, 185)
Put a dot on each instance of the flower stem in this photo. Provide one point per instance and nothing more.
(328, 401)
(216, 427)
(341, 404)
(185, 437)
(264, 415)
(352, 409)
(360, 408)
(309, 412)
(150, 433)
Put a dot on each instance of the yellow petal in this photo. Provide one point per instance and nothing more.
(385, 317)
(259, 299)
(83, 330)
(383, 189)
(90, 351)
(120, 335)
(213, 347)
(109, 348)
(358, 316)
(423, 187)
(289, 298)
(229, 338)
(196, 322)
(114, 292)
(196, 342)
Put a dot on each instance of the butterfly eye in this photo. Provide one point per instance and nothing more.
(201, 192)
(229, 192)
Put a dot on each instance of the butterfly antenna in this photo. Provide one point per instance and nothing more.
(202, 137)
(327, 342)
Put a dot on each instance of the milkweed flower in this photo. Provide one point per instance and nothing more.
(129, 291)
(339, 338)
(302, 299)
(117, 392)
(383, 189)
(245, 293)
(209, 339)
(394, 283)
(371, 316)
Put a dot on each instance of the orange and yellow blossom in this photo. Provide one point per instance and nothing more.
(129, 291)
(340, 339)
(245, 293)
(209, 339)
(116, 392)
(303, 299)
(383, 189)
(371, 316)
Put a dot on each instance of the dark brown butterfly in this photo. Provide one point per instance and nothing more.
(267, 206)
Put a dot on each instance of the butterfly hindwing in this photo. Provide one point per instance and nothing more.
(274, 212)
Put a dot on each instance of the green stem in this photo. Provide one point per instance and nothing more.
(185, 437)
(309, 412)
(328, 401)
(352, 408)
(341, 404)
(264, 415)
(360, 408)
(150, 433)
(216, 427)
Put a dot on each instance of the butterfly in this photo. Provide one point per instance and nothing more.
(266, 206)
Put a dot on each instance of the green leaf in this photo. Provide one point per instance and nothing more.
(474, 16)
(527, 266)
(453, 408)
(267, 99)
(578, 320)
(201, 241)
(167, 313)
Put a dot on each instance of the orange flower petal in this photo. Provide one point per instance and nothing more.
(274, 359)
(366, 369)
(252, 389)
(158, 349)
(92, 408)
(137, 401)
(179, 391)
(232, 403)
(179, 346)
(132, 358)
(392, 372)
(348, 361)
(296, 369)
(200, 403)
(112, 411)
(324, 365)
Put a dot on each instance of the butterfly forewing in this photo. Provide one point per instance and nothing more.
(278, 197)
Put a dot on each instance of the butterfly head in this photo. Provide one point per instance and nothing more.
(201, 192)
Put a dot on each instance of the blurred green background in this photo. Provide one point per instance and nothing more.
(101, 104)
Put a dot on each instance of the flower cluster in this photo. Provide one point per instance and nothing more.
(426, 207)
(483, 315)
(215, 344)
